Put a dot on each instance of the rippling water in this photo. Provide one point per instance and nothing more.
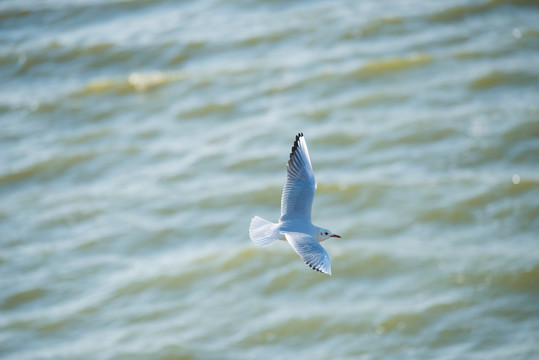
(139, 138)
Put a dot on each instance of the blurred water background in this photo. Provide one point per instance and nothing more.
(138, 138)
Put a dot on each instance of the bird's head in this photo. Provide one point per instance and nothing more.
(324, 234)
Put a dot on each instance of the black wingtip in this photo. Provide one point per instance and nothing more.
(316, 269)
(296, 144)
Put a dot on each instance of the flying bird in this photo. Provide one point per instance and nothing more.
(295, 224)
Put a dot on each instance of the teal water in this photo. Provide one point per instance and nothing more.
(139, 138)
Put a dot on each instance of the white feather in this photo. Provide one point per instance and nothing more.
(310, 251)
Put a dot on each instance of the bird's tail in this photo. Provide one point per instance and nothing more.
(263, 232)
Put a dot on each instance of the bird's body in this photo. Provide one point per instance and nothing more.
(295, 224)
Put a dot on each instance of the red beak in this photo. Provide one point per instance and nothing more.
(334, 235)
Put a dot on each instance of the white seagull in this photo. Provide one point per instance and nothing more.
(295, 224)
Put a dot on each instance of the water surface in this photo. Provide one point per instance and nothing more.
(139, 138)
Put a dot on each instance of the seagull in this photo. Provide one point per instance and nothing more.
(295, 224)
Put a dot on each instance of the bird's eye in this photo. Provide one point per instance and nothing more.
(326, 233)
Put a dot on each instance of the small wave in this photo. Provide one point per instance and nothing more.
(118, 86)
(261, 195)
(178, 56)
(374, 265)
(57, 52)
(420, 132)
(449, 215)
(209, 108)
(67, 215)
(370, 68)
(468, 209)
(254, 39)
(52, 166)
(22, 297)
(413, 322)
(319, 113)
(136, 81)
(383, 66)
(460, 12)
(217, 267)
(367, 194)
(490, 53)
(376, 99)
(470, 54)
(499, 78)
(383, 25)
(525, 280)
(249, 162)
(88, 136)
(146, 81)
(300, 82)
(36, 106)
(73, 52)
(289, 328)
(486, 275)
(526, 130)
(337, 138)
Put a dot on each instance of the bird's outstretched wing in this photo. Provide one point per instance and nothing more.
(310, 251)
(298, 192)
